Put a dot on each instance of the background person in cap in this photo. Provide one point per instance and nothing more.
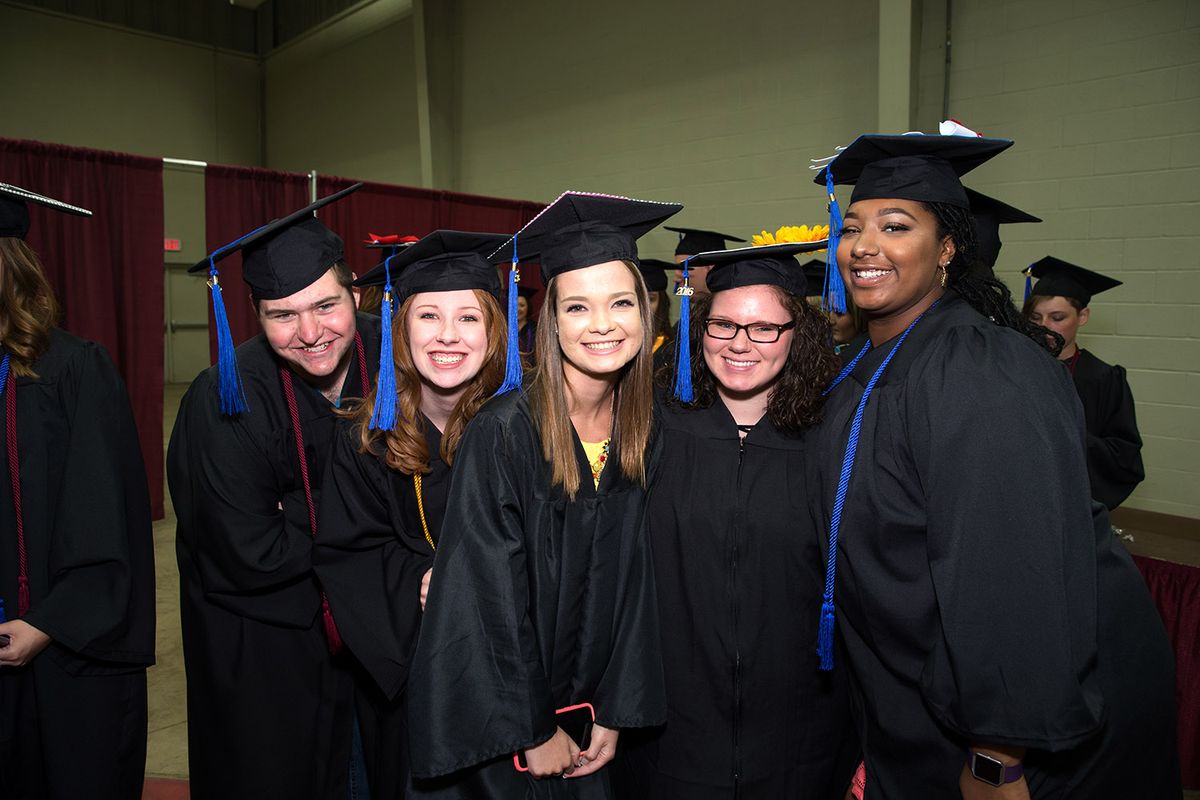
(542, 595)
(269, 708)
(654, 274)
(385, 491)
(76, 554)
(1059, 301)
(749, 715)
(994, 630)
(693, 241)
(989, 214)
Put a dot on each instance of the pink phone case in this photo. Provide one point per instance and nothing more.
(592, 711)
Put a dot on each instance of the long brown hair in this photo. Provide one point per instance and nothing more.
(406, 449)
(28, 309)
(795, 401)
(633, 403)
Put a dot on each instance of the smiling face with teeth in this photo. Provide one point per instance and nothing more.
(598, 319)
(447, 338)
(312, 330)
(745, 370)
(889, 256)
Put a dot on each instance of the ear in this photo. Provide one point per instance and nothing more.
(948, 250)
(1083, 316)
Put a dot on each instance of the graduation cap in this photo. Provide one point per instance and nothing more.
(694, 240)
(528, 292)
(990, 214)
(910, 166)
(814, 277)
(443, 261)
(14, 209)
(577, 230)
(278, 260)
(654, 273)
(1058, 278)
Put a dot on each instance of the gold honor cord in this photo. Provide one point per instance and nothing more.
(421, 511)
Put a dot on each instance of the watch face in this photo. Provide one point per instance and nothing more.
(987, 769)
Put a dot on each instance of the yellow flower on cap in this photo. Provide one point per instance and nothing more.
(792, 233)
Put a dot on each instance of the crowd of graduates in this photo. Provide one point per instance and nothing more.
(842, 531)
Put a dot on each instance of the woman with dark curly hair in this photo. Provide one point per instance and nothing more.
(389, 473)
(999, 641)
(76, 553)
(735, 553)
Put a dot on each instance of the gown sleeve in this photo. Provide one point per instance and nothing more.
(1114, 448)
(632, 691)
(99, 555)
(251, 560)
(478, 689)
(997, 440)
(372, 580)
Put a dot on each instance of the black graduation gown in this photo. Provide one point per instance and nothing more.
(269, 710)
(536, 603)
(1114, 446)
(73, 721)
(370, 559)
(736, 560)
(980, 594)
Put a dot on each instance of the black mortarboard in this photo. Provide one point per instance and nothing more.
(14, 209)
(912, 166)
(1057, 278)
(770, 264)
(528, 292)
(577, 230)
(654, 273)
(443, 261)
(990, 214)
(287, 254)
(694, 240)
(278, 259)
(814, 275)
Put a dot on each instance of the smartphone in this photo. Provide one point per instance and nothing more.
(576, 721)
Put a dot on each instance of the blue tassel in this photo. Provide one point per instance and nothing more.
(3, 385)
(825, 635)
(834, 296)
(1028, 284)
(512, 360)
(683, 340)
(383, 416)
(233, 397)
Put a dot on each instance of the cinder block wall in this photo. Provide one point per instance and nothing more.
(1103, 100)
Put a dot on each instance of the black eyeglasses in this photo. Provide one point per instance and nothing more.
(760, 332)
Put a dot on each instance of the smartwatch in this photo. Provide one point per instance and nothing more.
(991, 770)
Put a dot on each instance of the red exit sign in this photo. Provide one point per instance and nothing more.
(172, 245)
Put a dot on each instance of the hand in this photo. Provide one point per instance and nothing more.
(425, 586)
(602, 749)
(554, 757)
(25, 642)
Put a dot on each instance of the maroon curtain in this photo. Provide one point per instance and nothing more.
(107, 270)
(1176, 592)
(383, 209)
(236, 201)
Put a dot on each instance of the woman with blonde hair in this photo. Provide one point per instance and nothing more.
(540, 637)
(384, 496)
(76, 555)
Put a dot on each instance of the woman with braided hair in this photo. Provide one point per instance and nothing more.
(76, 553)
(999, 642)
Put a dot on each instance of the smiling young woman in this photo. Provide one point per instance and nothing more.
(382, 513)
(994, 650)
(542, 595)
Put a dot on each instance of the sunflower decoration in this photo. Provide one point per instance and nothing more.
(792, 233)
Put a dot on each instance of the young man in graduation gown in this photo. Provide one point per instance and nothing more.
(1059, 301)
(76, 553)
(270, 705)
